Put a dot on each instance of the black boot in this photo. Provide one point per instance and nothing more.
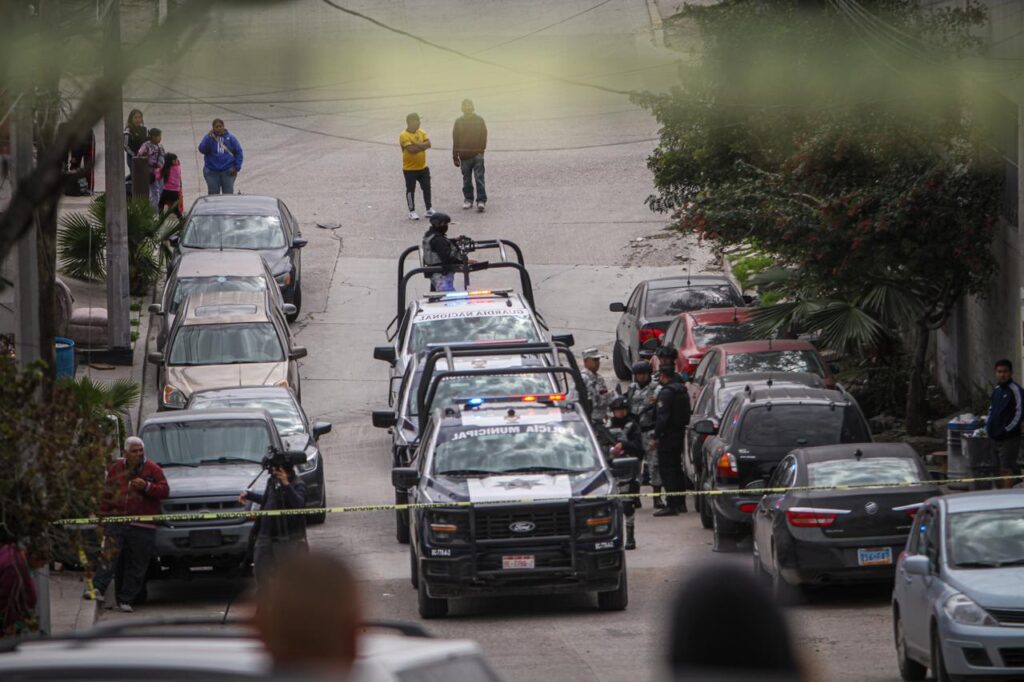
(630, 538)
(659, 503)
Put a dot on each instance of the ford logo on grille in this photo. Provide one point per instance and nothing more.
(871, 508)
(522, 526)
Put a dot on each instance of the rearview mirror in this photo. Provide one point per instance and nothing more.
(617, 307)
(297, 353)
(625, 468)
(917, 564)
(385, 353)
(156, 358)
(299, 242)
(289, 309)
(156, 309)
(384, 419)
(705, 427)
(404, 478)
(564, 339)
(320, 428)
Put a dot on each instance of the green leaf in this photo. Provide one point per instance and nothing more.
(845, 327)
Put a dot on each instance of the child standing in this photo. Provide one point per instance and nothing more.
(153, 151)
(170, 196)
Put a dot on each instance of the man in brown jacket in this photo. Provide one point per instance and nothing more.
(469, 140)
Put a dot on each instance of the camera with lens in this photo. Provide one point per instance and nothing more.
(464, 244)
(282, 459)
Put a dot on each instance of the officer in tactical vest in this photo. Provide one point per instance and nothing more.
(624, 432)
(437, 249)
(642, 395)
(597, 389)
(672, 417)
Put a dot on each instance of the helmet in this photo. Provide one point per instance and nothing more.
(619, 402)
(440, 219)
(642, 367)
(667, 352)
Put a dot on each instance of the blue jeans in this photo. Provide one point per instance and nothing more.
(219, 182)
(473, 169)
(155, 189)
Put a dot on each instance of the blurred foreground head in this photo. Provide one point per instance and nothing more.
(308, 614)
(726, 626)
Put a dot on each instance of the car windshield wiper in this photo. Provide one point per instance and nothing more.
(468, 472)
(229, 460)
(978, 564)
(524, 470)
(1011, 562)
(176, 464)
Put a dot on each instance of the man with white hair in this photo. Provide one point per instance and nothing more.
(134, 487)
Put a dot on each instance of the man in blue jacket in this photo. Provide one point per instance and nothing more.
(222, 153)
(1003, 425)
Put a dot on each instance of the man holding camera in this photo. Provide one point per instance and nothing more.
(439, 250)
(277, 536)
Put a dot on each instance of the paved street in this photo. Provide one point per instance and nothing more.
(567, 181)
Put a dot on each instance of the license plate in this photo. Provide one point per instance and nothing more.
(874, 556)
(204, 539)
(518, 561)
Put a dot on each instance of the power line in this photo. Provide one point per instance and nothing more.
(544, 28)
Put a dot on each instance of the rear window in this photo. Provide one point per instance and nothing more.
(775, 361)
(986, 539)
(870, 471)
(192, 285)
(667, 302)
(802, 426)
(713, 334)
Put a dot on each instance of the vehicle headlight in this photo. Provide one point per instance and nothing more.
(961, 609)
(599, 520)
(173, 397)
(284, 279)
(308, 465)
(443, 526)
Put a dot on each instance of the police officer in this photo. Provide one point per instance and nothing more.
(597, 389)
(626, 442)
(642, 395)
(670, 421)
(439, 250)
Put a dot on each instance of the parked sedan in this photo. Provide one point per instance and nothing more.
(653, 305)
(200, 271)
(263, 224)
(692, 334)
(293, 426)
(958, 604)
(819, 537)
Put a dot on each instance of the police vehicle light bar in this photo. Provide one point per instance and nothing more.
(529, 398)
(452, 295)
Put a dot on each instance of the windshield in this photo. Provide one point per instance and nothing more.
(233, 232)
(986, 539)
(802, 425)
(484, 387)
(226, 344)
(283, 410)
(668, 302)
(713, 334)
(492, 327)
(192, 285)
(775, 361)
(869, 471)
(515, 447)
(193, 441)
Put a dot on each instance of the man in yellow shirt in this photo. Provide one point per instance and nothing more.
(415, 144)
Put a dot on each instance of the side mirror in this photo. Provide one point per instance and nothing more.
(705, 427)
(156, 358)
(320, 428)
(617, 307)
(156, 309)
(650, 345)
(289, 309)
(173, 240)
(564, 339)
(297, 353)
(385, 353)
(299, 242)
(384, 419)
(625, 468)
(404, 478)
(917, 564)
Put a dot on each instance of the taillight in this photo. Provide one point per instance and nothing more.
(748, 507)
(726, 467)
(648, 333)
(810, 517)
(909, 509)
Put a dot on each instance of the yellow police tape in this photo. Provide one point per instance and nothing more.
(742, 492)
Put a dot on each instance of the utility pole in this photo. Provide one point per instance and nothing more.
(118, 296)
(26, 342)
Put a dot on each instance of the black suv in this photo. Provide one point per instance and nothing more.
(758, 428)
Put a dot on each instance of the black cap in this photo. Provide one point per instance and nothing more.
(642, 367)
(667, 352)
(440, 219)
(619, 403)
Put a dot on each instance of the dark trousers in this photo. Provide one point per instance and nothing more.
(267, 552)
(130, 549)
(670, 465)
(411, 178)
(473, 171)
(170, 199)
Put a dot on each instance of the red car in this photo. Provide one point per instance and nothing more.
(693, 333)
(773, 355)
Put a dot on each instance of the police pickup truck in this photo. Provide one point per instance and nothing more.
(528, 484)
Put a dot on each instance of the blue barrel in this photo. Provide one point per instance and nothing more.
(64, 351)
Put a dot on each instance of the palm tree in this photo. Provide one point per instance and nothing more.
(106, 399)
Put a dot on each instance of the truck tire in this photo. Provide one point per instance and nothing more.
(619, 364)
(297, 302)
(725, 536)
(618, 599)
(401, 519)
(428, 606)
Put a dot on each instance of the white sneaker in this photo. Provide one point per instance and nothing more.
(413, 215)
(467, 204)
(480, 208)
(125, 608)
(429, 212)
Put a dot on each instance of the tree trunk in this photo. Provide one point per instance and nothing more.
(917, 404)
